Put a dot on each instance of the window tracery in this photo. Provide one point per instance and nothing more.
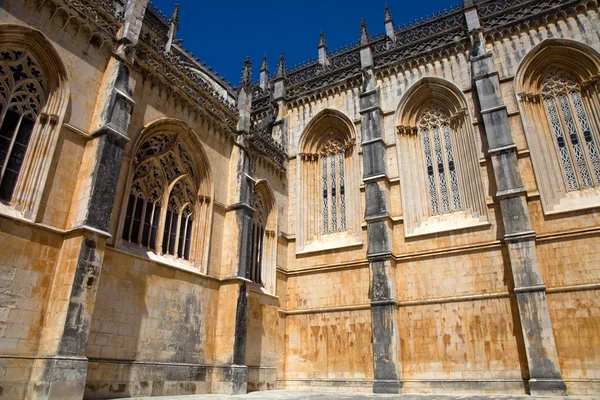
(328, 203)
(436, 139)
(332, 156)
(442, 179)
(163, 200)
(571, 129)
(22, 96)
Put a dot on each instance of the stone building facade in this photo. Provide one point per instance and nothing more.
(416, 212)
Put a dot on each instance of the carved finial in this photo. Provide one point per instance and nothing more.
(265, 66)
(322, 41)
(281, 67)
(322, 50)
(175, 16)
(364, 34)
(247, 73)
(389, 24)
(468, 3)
(388, 14)
(264, 74)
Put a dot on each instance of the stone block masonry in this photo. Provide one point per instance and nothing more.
(412, 216)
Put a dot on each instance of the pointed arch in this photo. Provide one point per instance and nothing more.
(558, 86)
(32, 140)
(328, 183)
(173, 217)
(335, 124)
(264, 237)
(441, 184)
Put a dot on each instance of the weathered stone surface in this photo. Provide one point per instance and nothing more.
(376, 276)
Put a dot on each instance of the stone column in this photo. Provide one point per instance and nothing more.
(61, 369)
(542, 358)
(386, 342)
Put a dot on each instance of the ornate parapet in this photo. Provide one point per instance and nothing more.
(182, 79)
(499, 17)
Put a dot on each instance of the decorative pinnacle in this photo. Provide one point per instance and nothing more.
(388, 15)
(364, 34)
(322, 40)
(264, 66)
(281, 67)
(247, 73)
(175, 15)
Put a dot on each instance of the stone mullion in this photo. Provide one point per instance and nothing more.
(542, 359)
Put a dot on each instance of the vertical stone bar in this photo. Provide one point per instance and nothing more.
(61, 372)
(544, 371)
(234, 293)
(386, 343)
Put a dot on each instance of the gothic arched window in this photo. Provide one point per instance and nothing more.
(333, 187)
(329, 204)
(442, 179)
(21, 99)
(571, 129)
(558, 87)
(164, 203)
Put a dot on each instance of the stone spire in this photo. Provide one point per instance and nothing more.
(281, 67)
(264, 74)
(246, 73)
(173, 27)
(364, 34)
(279, 82)
(389, 24)
(322, 47)
(175, 16)
(245, 98)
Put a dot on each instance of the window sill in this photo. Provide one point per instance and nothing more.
(330, 242)
(166, 260)
(579, 200)
(260, 289)
(447, 223)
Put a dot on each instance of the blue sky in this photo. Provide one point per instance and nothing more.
(222, 33)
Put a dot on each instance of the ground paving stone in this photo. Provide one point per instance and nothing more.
(299, 395)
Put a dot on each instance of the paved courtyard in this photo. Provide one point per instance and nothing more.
(296, 395)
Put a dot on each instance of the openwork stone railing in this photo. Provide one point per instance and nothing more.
(106, 14)
(171, 68)
(500, 14)
(421, 37)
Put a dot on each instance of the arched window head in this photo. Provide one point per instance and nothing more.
(559, 102)
(22, 96)
(571, 129)
(442, 179)
(333, 186)
(164, 205)
(328, 203)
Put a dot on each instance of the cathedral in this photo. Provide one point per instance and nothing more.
(417, 212)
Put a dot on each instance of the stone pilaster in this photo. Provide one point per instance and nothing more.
(544, 371)
(386, 343)
(234, 293)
